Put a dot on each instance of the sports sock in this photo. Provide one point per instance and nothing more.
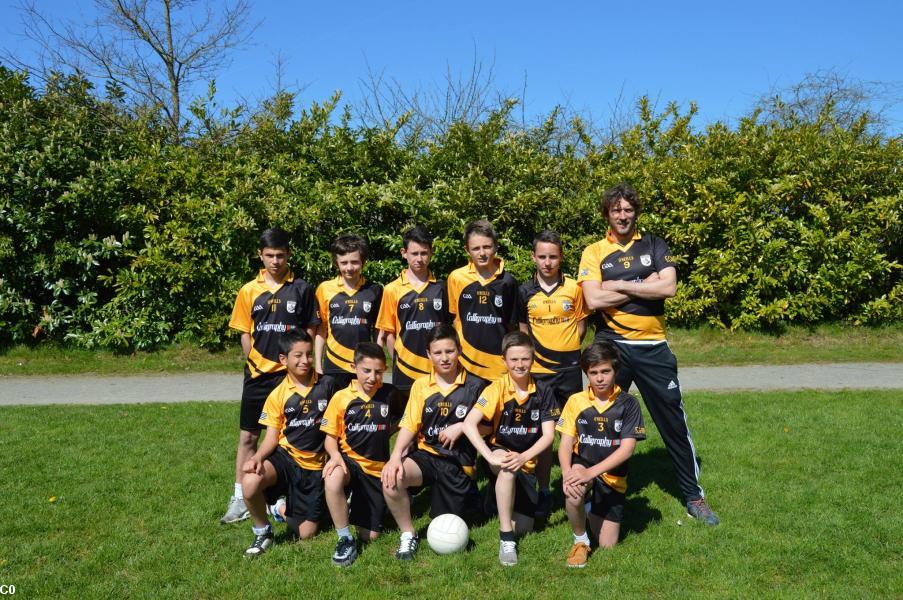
(407, 535)
(344, 532)
(581, 539)
(506, 536)
(260, 530)
(238, 493)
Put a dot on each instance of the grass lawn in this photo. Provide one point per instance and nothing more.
(694, 347)
(807, 485)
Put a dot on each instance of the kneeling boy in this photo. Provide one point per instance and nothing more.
(522, 411)
(599, 430)
(435, 413)
(290, 459)
(358, 425)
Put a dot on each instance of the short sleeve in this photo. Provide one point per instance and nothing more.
(590, 267)
(548, 408)
(322, 304)
(522, 301)
(333, 416)
(241, 312)
(309, 314)
(413, 412)
(444, 314)
(487, 402)
(661, 255)
(633, 425)
(514, 319)
(273, 415)
(580, 309)
(567, 422)
(387, 320)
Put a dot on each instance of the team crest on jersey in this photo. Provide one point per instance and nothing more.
(384, 410)
(367, 306)
(618, 425)
(534, 415)
(290, 306)
(567, 305)
(460, 411)
(437, 303)
(498, 301)
(321, 404)
(646, 260)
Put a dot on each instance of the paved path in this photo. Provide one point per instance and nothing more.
(218, 387)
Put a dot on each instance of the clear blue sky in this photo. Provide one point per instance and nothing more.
(723, 55)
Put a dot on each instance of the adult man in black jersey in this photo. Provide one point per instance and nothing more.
(626, 278)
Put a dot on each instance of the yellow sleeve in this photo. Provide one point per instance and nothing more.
(488, 402)
(241, 312)
(580, 310)
(567, 421)
(332, 418)
(590, 269)
(413, 413)
(387, 320)
(323, 304)
(453, 285)
(273, 414)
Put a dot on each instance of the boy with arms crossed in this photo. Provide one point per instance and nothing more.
(275, 302)
(435, 413)
(482, 296)
(358, 425)
(348, 307)
(411, 307)
(599, 428)
(552, 312)
(290, 458)
(522, 411)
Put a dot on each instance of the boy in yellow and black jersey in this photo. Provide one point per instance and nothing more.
(290, 459)
(348, 305)
(523, 413)
(482, 296)
(444, 459)
(358, 424)
(412, 306)
(274, 302)
(599, 428)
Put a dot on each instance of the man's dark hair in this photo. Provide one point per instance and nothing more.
(622, 191)
(600, 352)
(480, 227)
(417, 234)
(516, 338)
(291, 337)
(443, 331)
(346, 244)
(368, 350)
(274, 237)
(548, 236)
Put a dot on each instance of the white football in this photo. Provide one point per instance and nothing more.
(447, 533)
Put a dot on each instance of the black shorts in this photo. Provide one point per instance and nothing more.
(450, 484)
(526, 494)
(302, 488)
(254, 396)
(367, 502)
(605, 501)
(564, 383)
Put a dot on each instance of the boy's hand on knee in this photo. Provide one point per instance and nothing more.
(576, 475)
(513, 461)
(253, 466)
(392, 474)
(332, 465)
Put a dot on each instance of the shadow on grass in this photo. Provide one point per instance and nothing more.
(655, 467)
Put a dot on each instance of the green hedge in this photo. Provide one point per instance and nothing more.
(112, 237)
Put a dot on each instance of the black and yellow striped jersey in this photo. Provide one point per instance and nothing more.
(517, 423)
(431, 409)
(636, 319)
(484, 312)
(266, 312)
(598, 428)
(349, 318)
(552, 319)
(409, 314)
(362, 425)
(297, 413)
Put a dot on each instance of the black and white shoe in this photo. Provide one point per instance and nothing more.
(407, 548)
(261, 544)
(345, 552)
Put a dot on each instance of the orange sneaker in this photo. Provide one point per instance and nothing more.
(577, 555)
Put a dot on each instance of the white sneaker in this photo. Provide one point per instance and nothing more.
(236, 512)
(508, 553)
(276, 510)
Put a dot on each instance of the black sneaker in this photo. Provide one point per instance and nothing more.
(700, 510)
(345, 552)
(544, 505)
(261, 543)
(407, 548)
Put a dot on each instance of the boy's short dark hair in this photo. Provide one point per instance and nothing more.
(417, 234)
(548, 236)
(622, 191)
(600, 352)
(480, 227)
(288, 340)
(516, 338)
(346, 244)
(368, 350)
(274, 237)
(443, 331)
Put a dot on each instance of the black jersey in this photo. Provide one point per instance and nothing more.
(362, 425)
(350, 318)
